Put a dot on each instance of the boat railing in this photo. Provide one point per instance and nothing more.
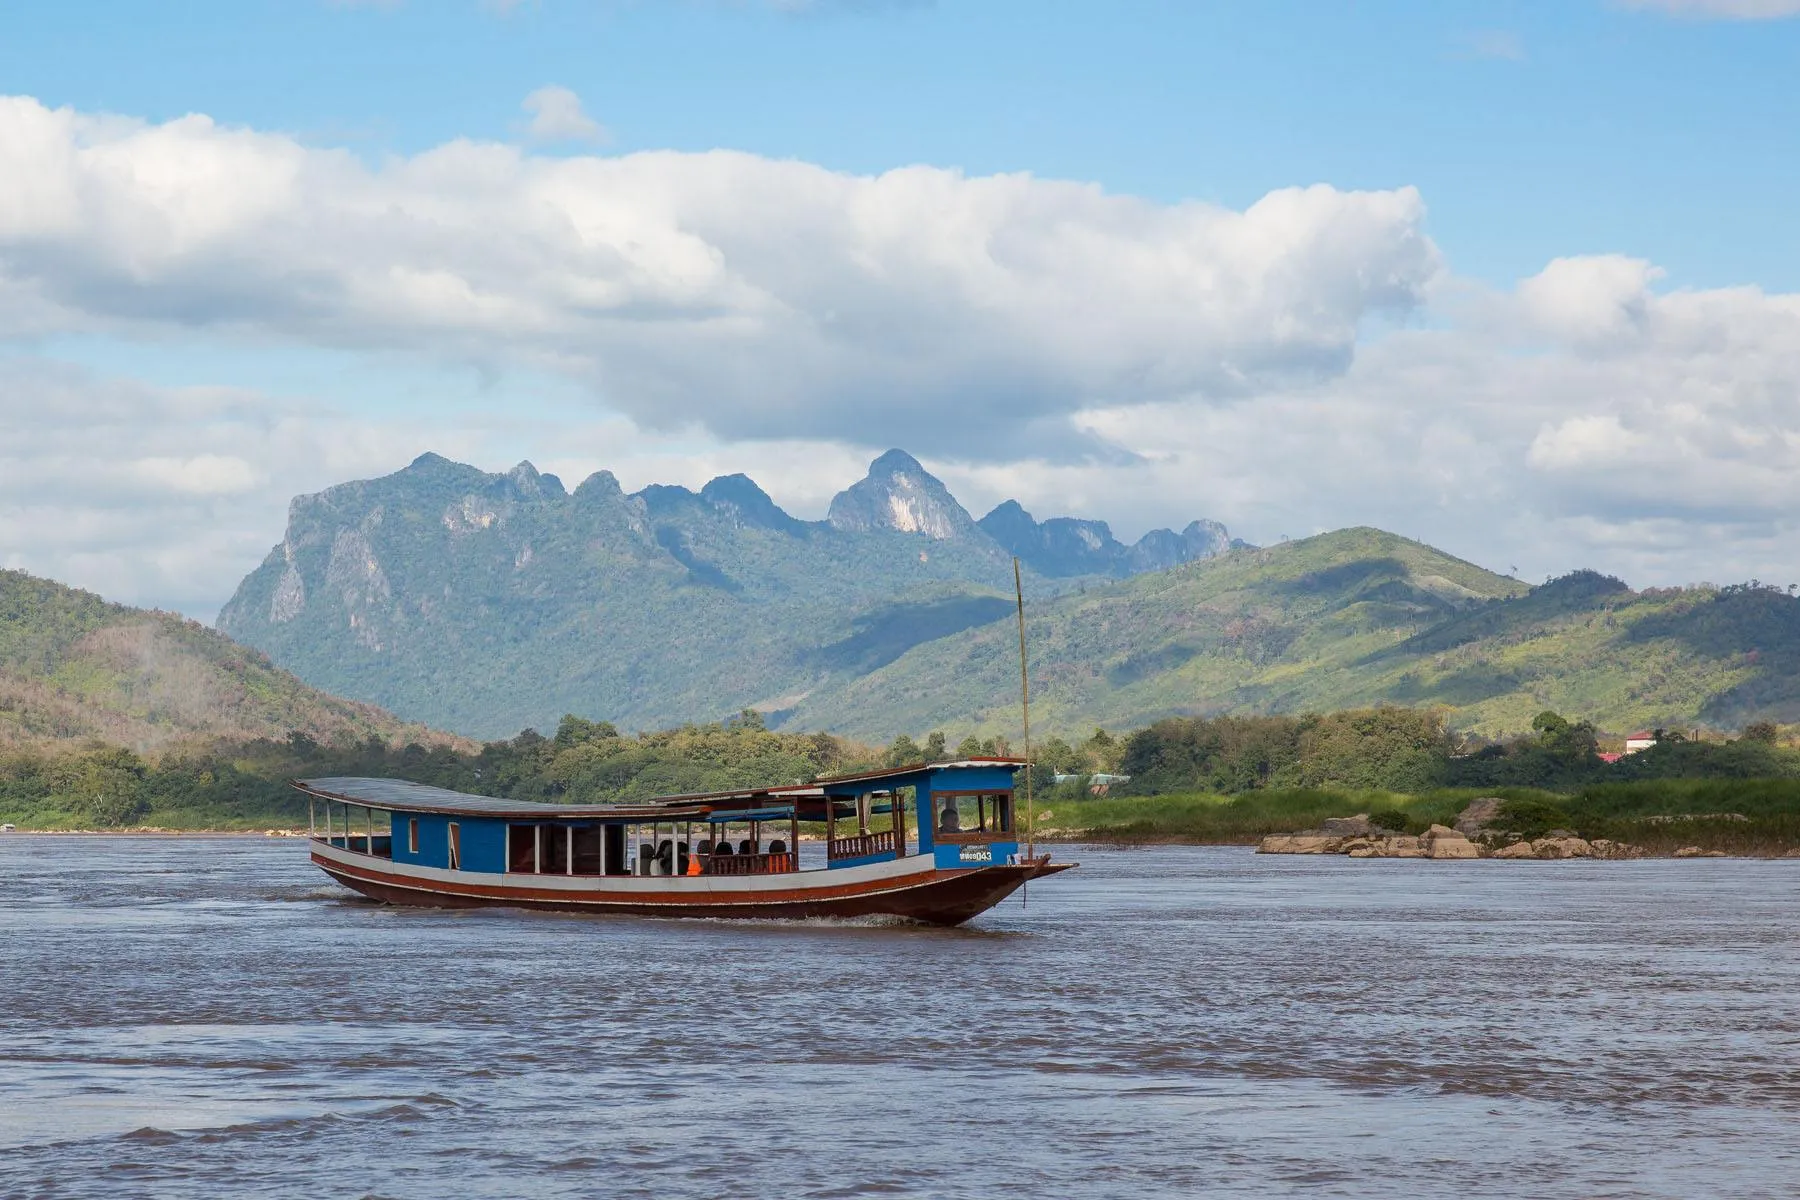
(749, 864)
(863, 845)
(381, 845)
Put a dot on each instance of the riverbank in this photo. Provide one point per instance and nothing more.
(1663, 818)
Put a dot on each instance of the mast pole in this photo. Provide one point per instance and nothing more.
(1025, 710)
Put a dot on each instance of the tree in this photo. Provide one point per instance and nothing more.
(107, 785)
(1765, 732)
(574, 731)
(1574, 743)
(935, 750)
(1103, 750)
(748, 720)
(969, 747)
(903, 751)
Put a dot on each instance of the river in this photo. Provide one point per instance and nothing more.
(210, 1016)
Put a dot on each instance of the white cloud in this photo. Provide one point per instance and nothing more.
(1731, 10)
(1088, 354)
(557, 116)
(759, 298)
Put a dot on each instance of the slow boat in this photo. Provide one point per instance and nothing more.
(929, 842)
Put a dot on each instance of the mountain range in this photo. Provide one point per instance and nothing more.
(1349, 619)
(487, 602)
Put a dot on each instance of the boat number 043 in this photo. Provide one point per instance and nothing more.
(972, 854)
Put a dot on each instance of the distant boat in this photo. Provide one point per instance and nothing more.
(718, 854)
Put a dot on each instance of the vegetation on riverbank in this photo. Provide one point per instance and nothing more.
(1758, 817)
(1220, 780)
(244, 785)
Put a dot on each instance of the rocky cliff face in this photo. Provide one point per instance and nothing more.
(1065, 546)
(489, 602)
(901, 496)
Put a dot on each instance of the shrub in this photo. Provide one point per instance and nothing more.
(1531, 818)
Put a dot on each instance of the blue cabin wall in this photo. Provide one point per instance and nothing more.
(483, 842)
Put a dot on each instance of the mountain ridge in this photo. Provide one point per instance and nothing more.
(1345, 620)
(74, 666)
(487, 601)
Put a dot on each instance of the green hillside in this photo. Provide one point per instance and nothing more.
(74, 667)
(1343, 620)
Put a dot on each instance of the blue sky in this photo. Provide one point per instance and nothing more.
(1534, 129)
(1520, 279)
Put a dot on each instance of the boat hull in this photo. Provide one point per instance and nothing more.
(909, 889)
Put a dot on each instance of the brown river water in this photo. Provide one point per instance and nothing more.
(212, 1017)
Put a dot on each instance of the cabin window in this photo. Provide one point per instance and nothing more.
(412, 835)
(554, 856)
(522, 849)
(972, 816)
(584, 849)
(455, 846)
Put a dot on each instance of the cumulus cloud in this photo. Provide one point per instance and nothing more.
(1730, 10)
(557, 116)
(759, 298)
(1580, 419)
(1087, 353)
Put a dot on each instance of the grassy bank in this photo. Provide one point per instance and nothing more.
(1745, 817)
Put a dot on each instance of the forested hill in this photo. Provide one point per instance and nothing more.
(488, 603)
(74, 667)
(1344, 620)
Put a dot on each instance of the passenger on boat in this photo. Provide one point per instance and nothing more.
(950, 822)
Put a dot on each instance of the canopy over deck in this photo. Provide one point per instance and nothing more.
(807, 799)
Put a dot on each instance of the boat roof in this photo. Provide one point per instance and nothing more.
(401, 795)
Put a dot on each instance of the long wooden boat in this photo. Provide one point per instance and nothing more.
(719, 854)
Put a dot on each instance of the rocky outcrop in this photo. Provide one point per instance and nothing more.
(1477, 815)
(1354, 837)
(1065, 546)
(1300, 843)
(1697, 852)
(1563, 846)
(900, 495)
(1440, 841)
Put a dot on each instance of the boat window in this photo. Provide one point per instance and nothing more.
(555, 859)
(585, 849)
(972, 816)
(521, 849)
(412, 835)
(455, 846)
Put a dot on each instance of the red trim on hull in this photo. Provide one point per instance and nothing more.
(938, 898)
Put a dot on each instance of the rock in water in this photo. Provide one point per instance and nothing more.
(1566, 846)
(1440, 841)
(1357, 826)
(1300, 843)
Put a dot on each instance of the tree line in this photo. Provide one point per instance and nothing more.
(245, 782)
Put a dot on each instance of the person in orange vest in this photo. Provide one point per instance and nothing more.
(694, 859)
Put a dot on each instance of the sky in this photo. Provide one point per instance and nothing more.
(1518, 279)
